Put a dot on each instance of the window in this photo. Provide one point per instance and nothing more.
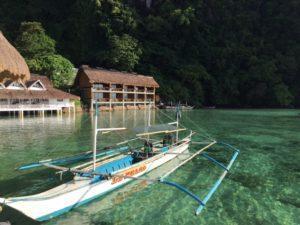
(98, 86)
(27, 101)
(37, 86)
(15, 85)
(3, 101)
(98, 96)
(60, 100)
(15, 101)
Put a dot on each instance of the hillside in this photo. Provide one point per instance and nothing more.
(225, 53)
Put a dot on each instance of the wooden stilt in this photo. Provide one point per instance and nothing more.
(21, 114)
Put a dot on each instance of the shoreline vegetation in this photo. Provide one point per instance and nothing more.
(223, 54)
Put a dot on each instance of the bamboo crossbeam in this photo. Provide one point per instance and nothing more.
(188, 159)
(160, 132)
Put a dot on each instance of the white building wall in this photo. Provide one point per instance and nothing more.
(55, 101)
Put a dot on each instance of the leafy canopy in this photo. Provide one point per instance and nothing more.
(57, 68)
(33, 41)
(124, 52)
(39, 51)
(225, 53)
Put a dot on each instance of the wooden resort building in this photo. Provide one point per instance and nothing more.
(21, 91)
(114, 89)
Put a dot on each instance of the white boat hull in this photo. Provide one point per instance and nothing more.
(79, 191)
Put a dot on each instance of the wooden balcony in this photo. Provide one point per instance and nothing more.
(106, 101)
(121, 90)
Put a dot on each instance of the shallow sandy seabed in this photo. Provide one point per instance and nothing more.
(262, 187)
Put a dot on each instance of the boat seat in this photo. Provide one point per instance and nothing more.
(115, 165)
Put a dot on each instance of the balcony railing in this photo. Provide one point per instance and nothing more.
(24, 107)
(116, 89)
(123, 90)
(103, 100)
(121, 100)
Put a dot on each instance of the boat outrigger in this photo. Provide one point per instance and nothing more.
(107, 170)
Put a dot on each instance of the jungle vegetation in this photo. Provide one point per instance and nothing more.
(226, 53)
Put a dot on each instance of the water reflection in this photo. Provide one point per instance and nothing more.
(126, 118)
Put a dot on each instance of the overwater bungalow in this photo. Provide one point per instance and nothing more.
(113, 89)
(21, 91)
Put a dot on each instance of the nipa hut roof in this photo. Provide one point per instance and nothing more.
(12, 64)
(99, 75)
(49, 93)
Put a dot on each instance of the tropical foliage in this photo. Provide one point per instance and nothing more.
(225, 53)
(39, 51)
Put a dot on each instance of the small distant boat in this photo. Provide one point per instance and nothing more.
(187, 107)
(107, 170)
(182, 107)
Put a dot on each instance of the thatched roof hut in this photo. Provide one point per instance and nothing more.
(100, 75)
(12, 64)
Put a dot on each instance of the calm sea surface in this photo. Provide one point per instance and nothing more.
(263, 186)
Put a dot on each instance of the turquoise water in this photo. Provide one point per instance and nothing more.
(263, 186)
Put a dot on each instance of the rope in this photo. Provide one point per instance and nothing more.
(199, 129)
(120, 135)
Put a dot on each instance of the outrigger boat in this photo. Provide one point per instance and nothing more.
(107, 170)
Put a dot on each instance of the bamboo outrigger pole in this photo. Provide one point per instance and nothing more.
(177, 120)
(95, 137)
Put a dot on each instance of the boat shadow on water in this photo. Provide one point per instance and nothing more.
(29, 183)
(15, 217)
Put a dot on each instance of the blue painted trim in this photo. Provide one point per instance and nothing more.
(73, 159)
(111, 167)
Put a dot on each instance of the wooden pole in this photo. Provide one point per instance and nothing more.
(95, 138)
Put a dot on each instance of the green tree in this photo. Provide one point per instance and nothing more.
(33, 41)
(57, 68)
(124, 52)
(225, 53)
(40, 54)
(283, 95)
